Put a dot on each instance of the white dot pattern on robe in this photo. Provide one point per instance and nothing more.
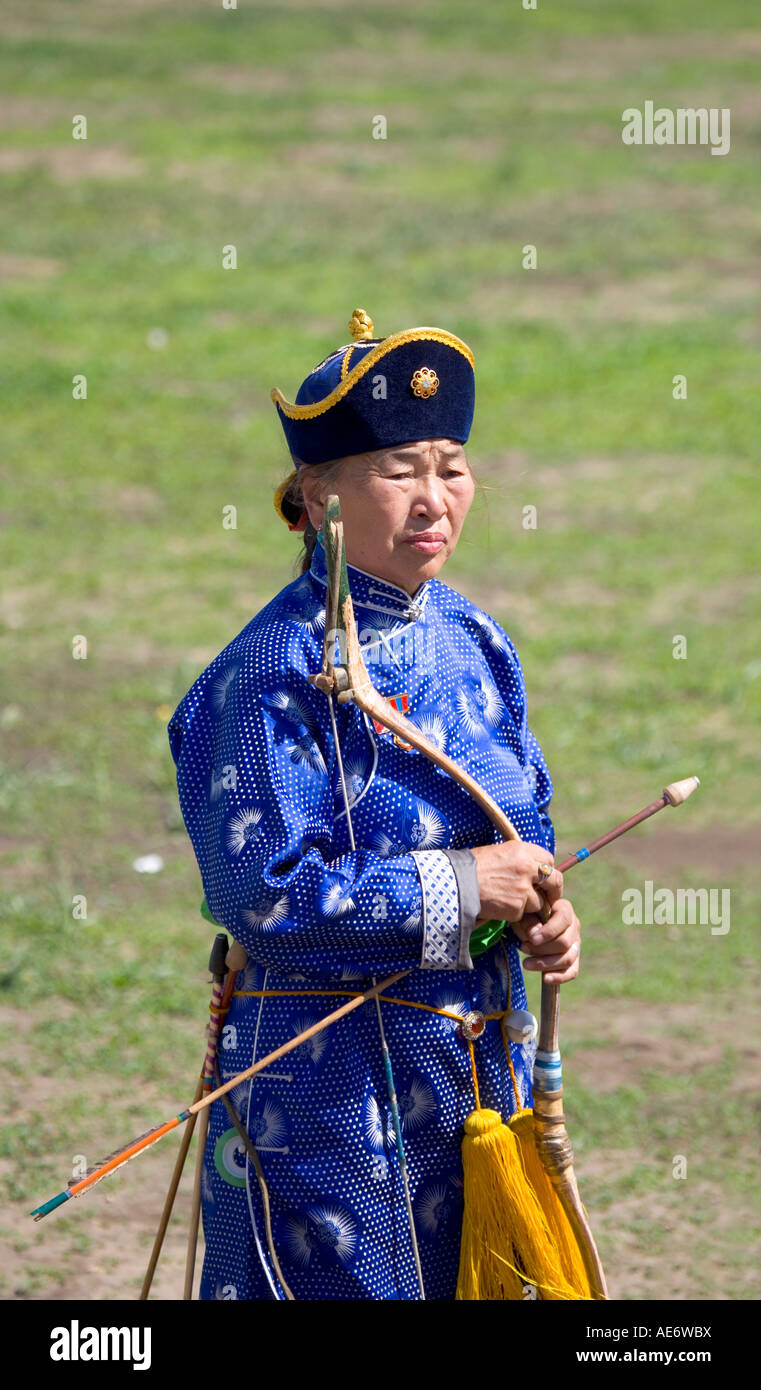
(260, 794)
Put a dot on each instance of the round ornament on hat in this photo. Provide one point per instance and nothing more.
(425, 382)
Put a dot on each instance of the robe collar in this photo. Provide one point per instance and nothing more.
(371, 593)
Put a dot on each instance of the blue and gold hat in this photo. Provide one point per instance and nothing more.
(373, 393)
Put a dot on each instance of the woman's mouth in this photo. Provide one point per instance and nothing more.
(428, 542)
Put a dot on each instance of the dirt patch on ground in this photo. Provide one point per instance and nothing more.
(96, 1247)
(102, 1252)
(664, 297)
(81, 161)
(616, 201)
(31, 21)
(603, 58)
(29, 113)
(314, 182)
(514, 608)
(130, 501)
(688, 1260)
(231, 77)
(658, 1243)
(18, 267)
(587, 59)
(514, 465)
(712, 603)
(641, 1038)
(18, 605)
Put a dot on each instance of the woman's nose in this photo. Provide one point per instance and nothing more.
(429, 500)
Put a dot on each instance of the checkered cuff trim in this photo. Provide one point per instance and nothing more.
(441, 910)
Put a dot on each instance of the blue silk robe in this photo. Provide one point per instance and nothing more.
(260, 793)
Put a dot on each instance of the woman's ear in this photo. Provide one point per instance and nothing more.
(312, 494)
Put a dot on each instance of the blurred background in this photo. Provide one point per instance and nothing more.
(253, 128)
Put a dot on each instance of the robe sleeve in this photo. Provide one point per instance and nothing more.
(541, 786)
(534, 765)
(256, 778)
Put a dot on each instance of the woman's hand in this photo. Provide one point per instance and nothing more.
(508, 885)
(509, 879)
(554, 945)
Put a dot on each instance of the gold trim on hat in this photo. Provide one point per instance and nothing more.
(345, 363)
(410, 335)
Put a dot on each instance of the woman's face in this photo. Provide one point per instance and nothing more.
(402, 508)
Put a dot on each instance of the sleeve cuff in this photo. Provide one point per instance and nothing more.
(451, 903)
(463, 862)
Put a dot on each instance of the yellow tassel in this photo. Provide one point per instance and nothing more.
(507, 1243)
(522, 1126)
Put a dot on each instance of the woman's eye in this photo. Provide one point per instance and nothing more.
(448, 473)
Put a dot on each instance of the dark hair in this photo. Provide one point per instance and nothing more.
(293, 497)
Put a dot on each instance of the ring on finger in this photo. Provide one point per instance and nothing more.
(544, 872)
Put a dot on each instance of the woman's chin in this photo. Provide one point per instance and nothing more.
(425, 564)
(407, 567)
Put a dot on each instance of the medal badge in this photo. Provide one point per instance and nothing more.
(401, 704)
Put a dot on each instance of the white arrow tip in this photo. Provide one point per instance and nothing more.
(677, 792)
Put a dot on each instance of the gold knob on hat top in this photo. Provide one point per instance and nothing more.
(360, 325)
(425, 382)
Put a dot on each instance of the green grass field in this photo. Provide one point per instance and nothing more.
(209, 128)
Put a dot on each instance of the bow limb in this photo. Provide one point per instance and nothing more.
(351, 682)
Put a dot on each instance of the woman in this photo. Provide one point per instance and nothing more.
(382, 423)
